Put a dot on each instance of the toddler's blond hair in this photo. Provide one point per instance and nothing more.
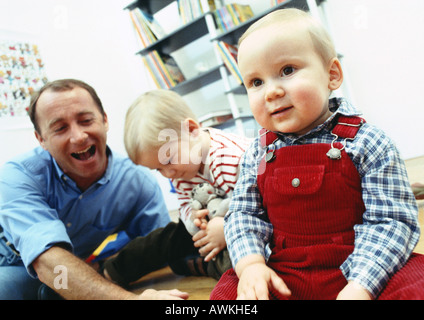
(151, 113)
(320, 38)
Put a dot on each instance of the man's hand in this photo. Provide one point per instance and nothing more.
(84, 283)
(151, 294)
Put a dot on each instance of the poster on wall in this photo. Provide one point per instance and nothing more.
(21, 73)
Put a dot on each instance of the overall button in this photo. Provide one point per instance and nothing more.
(295, 182)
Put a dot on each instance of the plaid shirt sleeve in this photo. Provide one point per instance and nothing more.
(247, 229)
(390, 228)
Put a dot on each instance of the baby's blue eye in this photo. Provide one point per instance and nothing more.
(287, 71)
(257, 82)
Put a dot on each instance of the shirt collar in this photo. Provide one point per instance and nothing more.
(338, 106)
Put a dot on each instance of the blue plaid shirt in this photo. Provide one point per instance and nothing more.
(390, 229)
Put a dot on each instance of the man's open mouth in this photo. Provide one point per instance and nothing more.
(85, 154)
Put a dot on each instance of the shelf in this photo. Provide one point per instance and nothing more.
(232, 35)
(198, 82)
(149, 6)
(241, 89)
(180, 37)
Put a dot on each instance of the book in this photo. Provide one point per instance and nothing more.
(147, 29)
(193, 9)
(275, 2)
(174, 71)
(151, 66)
(163, 69)
(138, 30)
(153, 25)
(244, 12)
(228, 53)
(232, 15)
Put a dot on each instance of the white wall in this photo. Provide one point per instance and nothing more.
(383, 44)
(93, 40)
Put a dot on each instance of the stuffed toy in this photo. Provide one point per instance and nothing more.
(205, 196)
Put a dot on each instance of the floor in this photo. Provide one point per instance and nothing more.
(199, 288)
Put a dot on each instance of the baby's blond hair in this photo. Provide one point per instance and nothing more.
(151, 113)
(319, 36)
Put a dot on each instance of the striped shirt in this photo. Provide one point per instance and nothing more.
(390, 228)
(221, 168)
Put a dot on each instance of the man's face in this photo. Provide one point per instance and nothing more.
(74, 131)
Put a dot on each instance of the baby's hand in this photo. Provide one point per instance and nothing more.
(199, 218)
(211, 241)
(418, 190)
(257, 280)
(354, 291)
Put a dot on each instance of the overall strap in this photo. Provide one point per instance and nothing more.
(267, 137)
(347, 127)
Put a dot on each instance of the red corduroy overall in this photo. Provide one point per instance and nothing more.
(313, 203)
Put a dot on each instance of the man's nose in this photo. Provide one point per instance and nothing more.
(78, 135)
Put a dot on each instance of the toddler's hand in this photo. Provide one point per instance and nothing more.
(354, 291)
(211, 241)
(418, 190)
(257, 280)
(199, 218)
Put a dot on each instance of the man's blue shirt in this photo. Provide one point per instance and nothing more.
(40, 206)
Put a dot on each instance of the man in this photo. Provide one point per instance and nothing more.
(59, 202)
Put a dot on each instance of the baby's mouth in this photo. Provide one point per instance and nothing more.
(280, 110)
(85, 154)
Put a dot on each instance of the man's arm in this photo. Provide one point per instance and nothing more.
(81, 282)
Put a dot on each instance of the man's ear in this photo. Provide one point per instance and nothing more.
(106, 121)
(40, 140)
(336, 74)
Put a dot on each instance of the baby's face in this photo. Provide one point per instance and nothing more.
(176, 159)
(288, 84)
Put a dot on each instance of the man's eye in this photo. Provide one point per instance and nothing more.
(87, 121)
(287, 71)
(59, 129)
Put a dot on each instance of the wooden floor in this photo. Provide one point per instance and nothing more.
(199, 288)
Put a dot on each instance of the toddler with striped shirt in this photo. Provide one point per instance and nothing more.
(162, 133)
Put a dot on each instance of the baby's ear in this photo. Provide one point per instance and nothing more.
(336, 74)
(191, 126)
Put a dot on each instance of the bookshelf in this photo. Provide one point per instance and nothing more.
(207, 23)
